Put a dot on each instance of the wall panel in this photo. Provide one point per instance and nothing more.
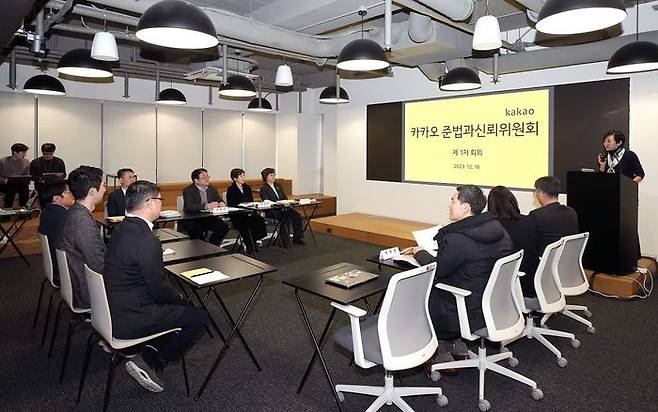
(222, 131)
(179, 143)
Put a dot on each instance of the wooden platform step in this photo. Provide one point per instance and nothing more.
(624, 286)
(377, 230)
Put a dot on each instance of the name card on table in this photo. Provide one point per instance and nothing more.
(389, 253)
(306, 201)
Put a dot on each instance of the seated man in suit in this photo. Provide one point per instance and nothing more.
(141, 300)
(468, 249)
(198, 196)
(58, 199)
(80, 237)
(116, 201)
(274, 191)
(251, 227)
(552, 220)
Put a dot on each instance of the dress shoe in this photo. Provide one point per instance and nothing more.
(459, 350)
(298, 241)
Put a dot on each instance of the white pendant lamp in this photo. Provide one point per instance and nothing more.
(104, 47)
(283, 76)
(486, 36)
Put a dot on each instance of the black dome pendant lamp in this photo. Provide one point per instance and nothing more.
(459, 79)
(362, 54)
(44, 84)
(579, 16)
(639, 56)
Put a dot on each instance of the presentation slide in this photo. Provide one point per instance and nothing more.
(486, 140)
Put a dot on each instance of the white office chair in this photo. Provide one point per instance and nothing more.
(549, 300)
(400, 337)
(572, 276)
(180, 207)
(101, 321)
(49, 278)
(503, 319)
(66, 290)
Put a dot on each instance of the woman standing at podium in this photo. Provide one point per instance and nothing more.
(617, 159)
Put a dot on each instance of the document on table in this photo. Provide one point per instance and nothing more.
(201, 276)
(168, 251)
(425, 239)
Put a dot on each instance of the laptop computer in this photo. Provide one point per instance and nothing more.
(351, 278)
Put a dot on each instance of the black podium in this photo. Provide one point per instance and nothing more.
(606, 204)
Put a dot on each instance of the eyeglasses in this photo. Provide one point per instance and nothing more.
(155, 198)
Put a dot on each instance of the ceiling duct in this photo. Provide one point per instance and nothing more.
(534, 7)
(457, 10)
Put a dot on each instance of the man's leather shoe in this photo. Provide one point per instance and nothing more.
(298, 241)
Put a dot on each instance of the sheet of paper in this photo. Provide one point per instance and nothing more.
(195, 272)
(213, 276)
(407, 258)
(168, 251)
(425, 239)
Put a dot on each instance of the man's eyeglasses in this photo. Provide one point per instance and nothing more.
(155, 198)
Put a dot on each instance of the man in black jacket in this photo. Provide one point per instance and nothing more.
(274, 191)
(140, 298)
(45, 169)
(116, 201)
(59, 198)
(552, 220)
(198, 196)
(468, 249)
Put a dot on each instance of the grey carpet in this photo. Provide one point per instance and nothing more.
(613, 370)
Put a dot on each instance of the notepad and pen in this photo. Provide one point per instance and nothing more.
(351, 278)
(201, 276)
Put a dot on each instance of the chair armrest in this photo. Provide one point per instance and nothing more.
(350, 309)
(357, 342)
(460, 295)
(453, 289)
(518, 296)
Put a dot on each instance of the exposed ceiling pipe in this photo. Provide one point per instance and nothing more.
(92, 12)
(457, 10)
(388, 22)
(534, 7)
(421, 27)
(38, 43)
(64, 9)
(560, 56)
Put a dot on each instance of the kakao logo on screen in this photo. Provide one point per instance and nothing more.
(487, 140)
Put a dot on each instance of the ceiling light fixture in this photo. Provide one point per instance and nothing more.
(283, 76)
(177, 24)
(459, 79)
(237, 87)
(259, 104)
(44, 84)
(362, 54)
(78, 62)
(104, 47)
(172, 97)
(334, 94)
(486, 36)
(579, 16)
(639, 56)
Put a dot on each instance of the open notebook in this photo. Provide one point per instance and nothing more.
(202, 276)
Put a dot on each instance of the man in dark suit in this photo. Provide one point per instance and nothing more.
(198, 196)
(46, 168)
(274, 191)
(80, 237)
(468, 249)
(552, 220)
(116, 201)
(141, 300)
(59, 198)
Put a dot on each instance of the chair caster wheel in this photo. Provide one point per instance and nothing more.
(587, 313)
(537, 394)
(442, 400)
(484, 405)
(504, 350)
(435, 376)
(575, 343)
(341, 396)
(561, 362)
(513, 362)
(591, 330)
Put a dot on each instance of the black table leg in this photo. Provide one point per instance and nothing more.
(10, 239)
(189, 299)
(202, 302)
(230, 318)
(226, 345)
(307, 219)
(318, 351)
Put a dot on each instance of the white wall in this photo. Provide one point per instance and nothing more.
(428, 203)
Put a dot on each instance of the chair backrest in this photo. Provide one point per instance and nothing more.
(547, 284)
(47, 258)
(502, 312)
(65, 285)
(101, 319)
(180, 204)
(406, 334)
(570, 266)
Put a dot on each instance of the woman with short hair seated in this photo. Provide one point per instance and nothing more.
(251, 227)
